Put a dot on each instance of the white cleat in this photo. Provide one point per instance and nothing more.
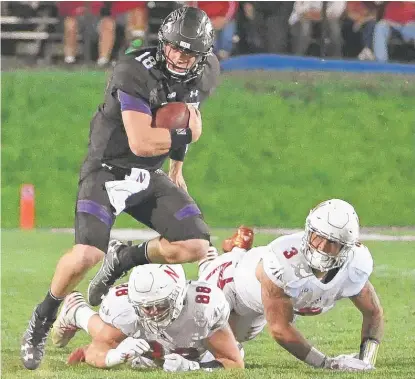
(64, 328)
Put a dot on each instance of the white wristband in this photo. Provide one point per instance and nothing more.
(113, 358)
(315, 358)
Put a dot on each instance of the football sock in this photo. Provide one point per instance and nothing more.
(132, 256)
(82, 317)
(49, 306)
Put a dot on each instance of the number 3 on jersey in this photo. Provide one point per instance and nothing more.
(203, 298)
(291, 253)
(148, 62)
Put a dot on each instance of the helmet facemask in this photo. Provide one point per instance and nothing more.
(335, 223)
(319, 259)
(157, 315)
(180, 73)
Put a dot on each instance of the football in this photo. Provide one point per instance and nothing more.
(172, 116)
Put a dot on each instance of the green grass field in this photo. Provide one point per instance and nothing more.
(28, 261)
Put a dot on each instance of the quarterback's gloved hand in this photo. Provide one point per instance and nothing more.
(126, 351)
(347, 363)
(176, 363)
(141, 362)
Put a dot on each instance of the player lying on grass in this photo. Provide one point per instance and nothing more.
(300, 274)
(157, 319)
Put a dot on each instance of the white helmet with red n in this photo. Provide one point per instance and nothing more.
(337, 221)
(157, 294)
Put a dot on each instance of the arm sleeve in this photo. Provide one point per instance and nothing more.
(131, 103)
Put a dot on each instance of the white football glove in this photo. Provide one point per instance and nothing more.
(347, 363)
(143, 363)
(176, 363)
(126, 351)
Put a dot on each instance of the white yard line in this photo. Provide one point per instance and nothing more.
(145, 234)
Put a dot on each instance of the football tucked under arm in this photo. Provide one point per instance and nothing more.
(174, 115)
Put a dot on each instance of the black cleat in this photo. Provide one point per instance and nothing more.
(109, 272)
(32, 347)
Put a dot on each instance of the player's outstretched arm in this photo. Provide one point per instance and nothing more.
(368, 303)
(224, 347)
(280, 314)
(103, 345)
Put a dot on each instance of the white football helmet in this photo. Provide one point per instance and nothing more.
(335, 220)
(157, 294)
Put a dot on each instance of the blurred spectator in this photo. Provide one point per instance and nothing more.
(398, 17)
(222, 14)
(361, 20)
(72, 11)
(249, 39)
(136, 22)
(306, 15)
(268, 21)
(103, 15)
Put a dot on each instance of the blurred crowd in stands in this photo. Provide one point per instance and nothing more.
(365, 30)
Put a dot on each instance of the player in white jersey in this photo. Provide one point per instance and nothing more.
(302, 274)
(156, 319)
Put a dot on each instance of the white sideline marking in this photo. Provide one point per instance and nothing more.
(145, 234)
(387, 271)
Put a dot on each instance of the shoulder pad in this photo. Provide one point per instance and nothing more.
(136, 74)
(284, 263)
(117, 311)
(214, 313)
(361, 265)
(210, 75)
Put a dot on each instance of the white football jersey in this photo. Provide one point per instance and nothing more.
(246, 323)
(286, 266)
(204, 312)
